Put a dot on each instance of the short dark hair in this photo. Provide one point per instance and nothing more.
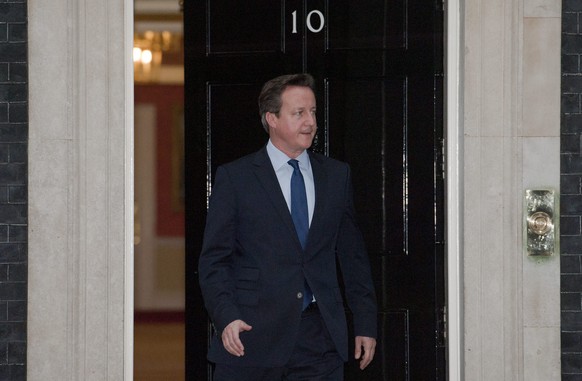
(270, 97)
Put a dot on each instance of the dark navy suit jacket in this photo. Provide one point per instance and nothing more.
(252, 266)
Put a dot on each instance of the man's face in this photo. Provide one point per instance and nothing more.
(293, 130)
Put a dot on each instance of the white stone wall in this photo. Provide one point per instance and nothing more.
(511, 125)
(80, 190)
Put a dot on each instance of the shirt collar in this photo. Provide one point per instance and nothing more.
(279, 159)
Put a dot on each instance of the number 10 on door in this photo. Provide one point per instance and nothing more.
(308, 21)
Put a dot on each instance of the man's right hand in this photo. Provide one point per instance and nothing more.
(231, 337)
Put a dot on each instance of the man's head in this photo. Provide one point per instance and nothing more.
(270, 97)
(287, 108)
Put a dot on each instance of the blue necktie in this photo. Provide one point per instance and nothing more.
(300, 216)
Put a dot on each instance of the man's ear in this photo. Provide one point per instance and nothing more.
(271, 119)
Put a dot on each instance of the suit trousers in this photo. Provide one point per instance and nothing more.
(314, 357)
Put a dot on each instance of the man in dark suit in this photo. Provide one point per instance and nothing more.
(277, 221)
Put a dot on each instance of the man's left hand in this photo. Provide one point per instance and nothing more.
(365, 348)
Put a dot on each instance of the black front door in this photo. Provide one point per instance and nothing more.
(378, 67)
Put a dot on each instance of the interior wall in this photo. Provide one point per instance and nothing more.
(159, 161)
(159, 181)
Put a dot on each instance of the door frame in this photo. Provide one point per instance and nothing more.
(454, 187)
(80, 190)
(454, 201)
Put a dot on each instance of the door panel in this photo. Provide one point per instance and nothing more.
(378, 67)
(368, 134)
(230, 125)
(351, 27)
(393, 360)
(237, 27)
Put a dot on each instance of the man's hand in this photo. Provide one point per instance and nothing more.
(369, 346)
(231, 339)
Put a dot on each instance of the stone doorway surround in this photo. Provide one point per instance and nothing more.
(80, 311)
(508, 141)
(503, 77)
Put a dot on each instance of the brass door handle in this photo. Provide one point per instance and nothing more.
(540, 222)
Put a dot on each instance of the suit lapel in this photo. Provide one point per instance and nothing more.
(319, 179)
(268, 179)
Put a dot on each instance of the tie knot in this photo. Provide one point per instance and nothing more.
(294, 163)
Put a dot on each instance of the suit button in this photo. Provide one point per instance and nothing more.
(299, 295)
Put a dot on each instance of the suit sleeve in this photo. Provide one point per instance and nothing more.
(355, 268)
(216, 259)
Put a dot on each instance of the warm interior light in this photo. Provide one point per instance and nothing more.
(136, 54)
(146, 56)
(150, 47)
